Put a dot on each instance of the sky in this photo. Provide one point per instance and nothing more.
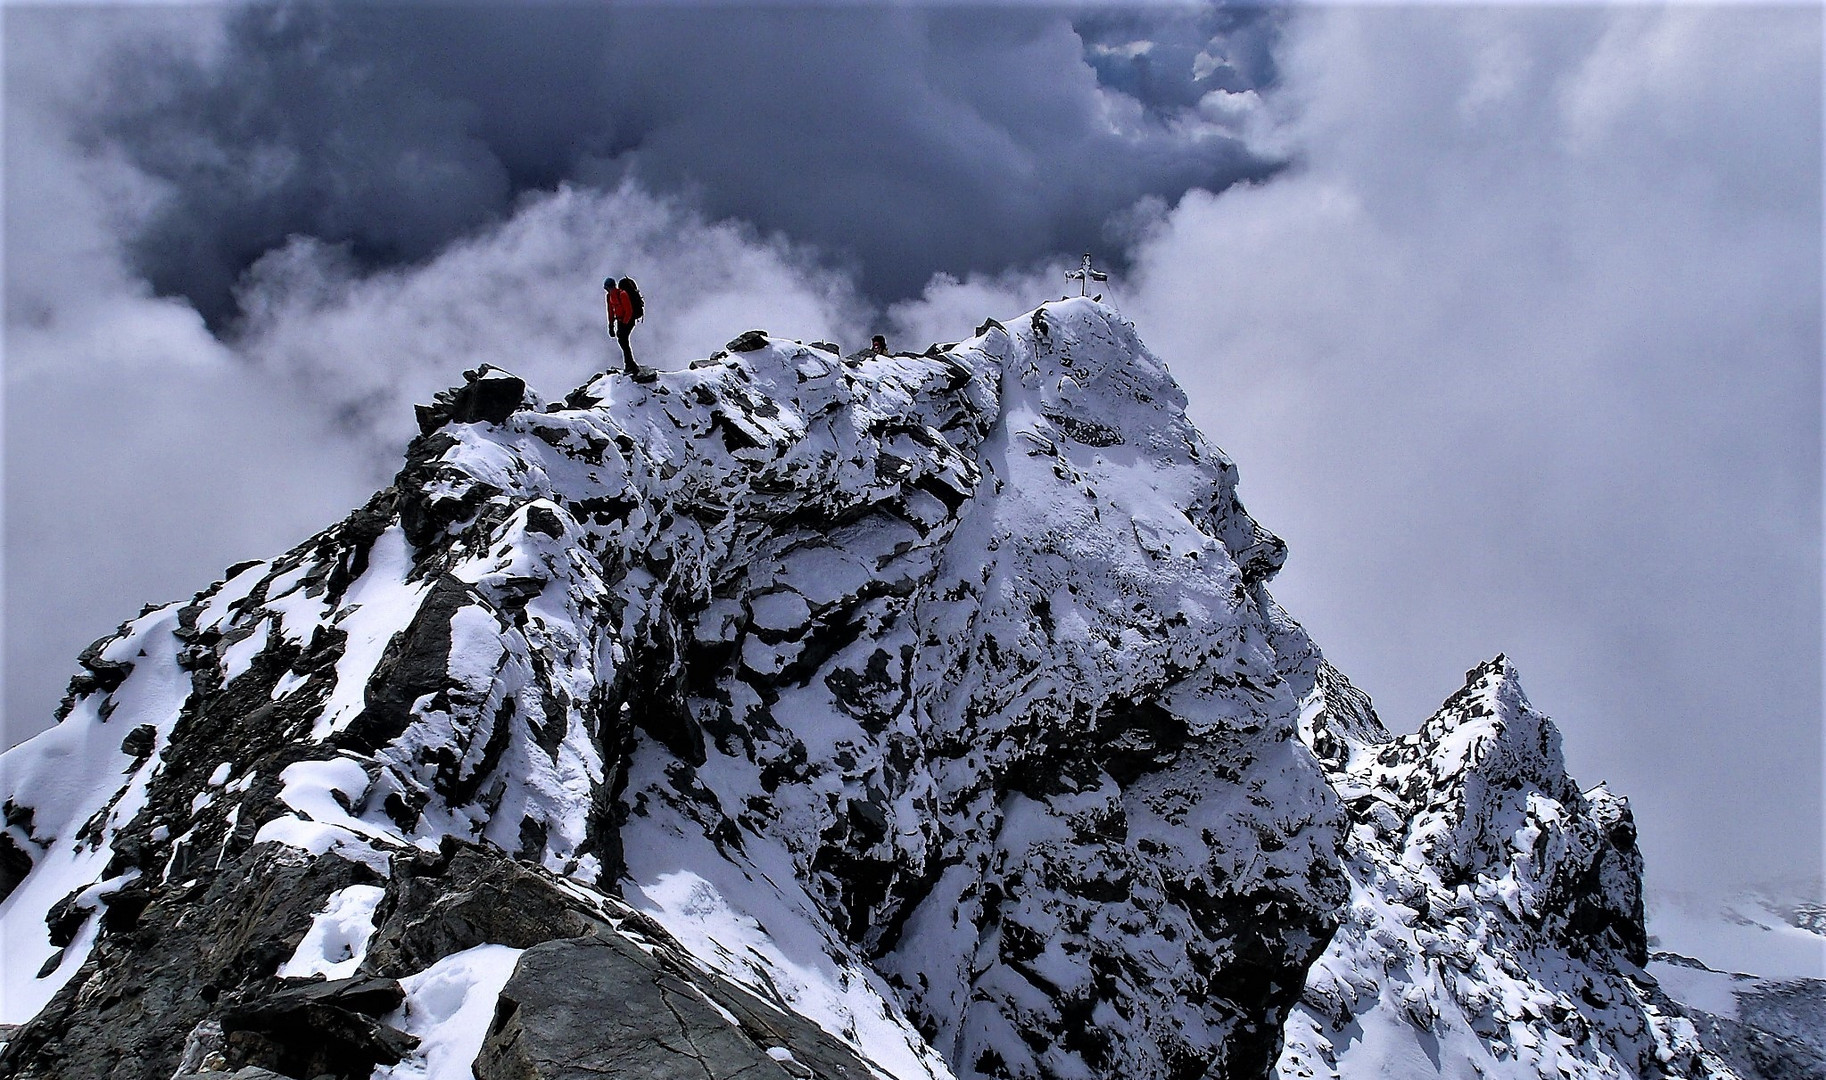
(1510, 316)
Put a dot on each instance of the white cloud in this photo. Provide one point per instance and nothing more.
(1526, 356)
(951, 309)
(144, 455)
(526, 296)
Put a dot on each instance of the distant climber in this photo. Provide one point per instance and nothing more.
(625, 309)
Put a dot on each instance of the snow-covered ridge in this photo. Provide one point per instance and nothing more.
(1496, 923)
(911, 716)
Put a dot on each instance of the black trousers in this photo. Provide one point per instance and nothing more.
(622, 330)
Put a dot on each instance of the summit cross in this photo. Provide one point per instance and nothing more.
(1084, 275)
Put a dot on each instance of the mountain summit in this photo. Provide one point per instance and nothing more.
(912, 717)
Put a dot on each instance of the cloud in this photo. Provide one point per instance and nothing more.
(902, 141)
(144, 454)
(950, 309)
(1525, 356)
(68, 203)
(526, 295)
(127, 485)
(256, 233)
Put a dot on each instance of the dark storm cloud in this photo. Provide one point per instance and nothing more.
(901, 142)
(1170, 58)
(1523, 353)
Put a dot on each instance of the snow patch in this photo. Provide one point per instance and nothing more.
(782, 610)
(448, 1007)
(322, 793)
(841, 1000)
(338, 938)
(237, 658)
(1743, 934)
(378, 604)
(68, 775)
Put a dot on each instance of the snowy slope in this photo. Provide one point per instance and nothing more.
(891, 716)
(1774, 932)
(936, 700)
(1774, 1029)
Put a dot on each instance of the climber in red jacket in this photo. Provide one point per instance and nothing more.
(625, 309)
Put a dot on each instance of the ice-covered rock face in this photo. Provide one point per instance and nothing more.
(1481, 793)
(935, 700)
(1495, 926)
(1015, 728)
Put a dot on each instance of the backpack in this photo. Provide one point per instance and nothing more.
(635, 308)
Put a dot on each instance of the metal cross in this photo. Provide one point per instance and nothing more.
(1084, 275)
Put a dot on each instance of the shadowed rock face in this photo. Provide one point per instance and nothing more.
(779, 715)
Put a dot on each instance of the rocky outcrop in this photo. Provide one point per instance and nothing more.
(936, 701)
(327, 1028)
(909, 716)
(595, 1006)
(1755, 1052)
(1793, 1010)
(1496, 922)
(196, 996)
(195, 954)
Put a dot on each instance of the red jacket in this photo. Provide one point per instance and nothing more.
(620, 307)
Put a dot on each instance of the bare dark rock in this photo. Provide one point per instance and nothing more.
(1084, 430)
(15, 863)
(541, 519)
(138, 743)
(313, 1030)
(464, 896)
(121, 909)
(1137, 738)
(1263, 558)
(66, 917)
(98, 675)
(597, 1006)
(416, 663)
(489, 396)
(126, 1015)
